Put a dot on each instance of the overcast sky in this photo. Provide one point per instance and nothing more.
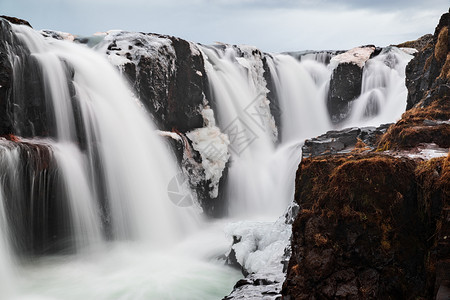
(271, 25)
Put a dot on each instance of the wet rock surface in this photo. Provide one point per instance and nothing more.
(345, 86)
(344, 141)
(346, 81)
(39, 192)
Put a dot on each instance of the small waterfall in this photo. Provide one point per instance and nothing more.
(383, 91)
(84, 213)
(302, 88)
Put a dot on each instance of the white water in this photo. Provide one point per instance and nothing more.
(85, 214)
(146, 260)
(383, 90)
(258, 175)
(136, 167)
(7, 275)
(124, 136)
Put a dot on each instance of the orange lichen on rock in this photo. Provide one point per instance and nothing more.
(445, 72)
(412, 128)
(441, 48)
(357, 211)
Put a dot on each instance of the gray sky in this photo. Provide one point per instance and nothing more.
(271, 25)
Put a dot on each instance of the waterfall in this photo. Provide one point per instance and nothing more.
(84, 207)
(239, 90)
(118, 134)
(383, 90)
(262, 177)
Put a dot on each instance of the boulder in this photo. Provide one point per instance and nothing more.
(344, 141)
(33, 189)
(17, 21)
(167, 74)
(346, 81)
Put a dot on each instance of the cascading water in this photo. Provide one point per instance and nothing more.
(105, 174)
(239, 90)
(301, 90)
(108, 198)
(6, 259)
(383, 90)
(119, 130)
(262, 175)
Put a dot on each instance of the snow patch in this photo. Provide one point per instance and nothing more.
(357, 56)
(212, 145)
(123, 47)
(423, 151)
(194, 49)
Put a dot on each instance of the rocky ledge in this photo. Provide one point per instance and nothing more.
(374, 220)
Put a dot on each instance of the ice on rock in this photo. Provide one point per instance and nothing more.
(129, 47)
(212, 145)
(169, 134)
(261, 247)
(357, 56)
(252, 61)
(59, 35)
(425, 151)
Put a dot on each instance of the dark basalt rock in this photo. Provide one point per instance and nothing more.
(424, 71)
(171, 84)
(191, 164)
(272, 94)
(344, 141)
(17, 21)
(345, 86)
